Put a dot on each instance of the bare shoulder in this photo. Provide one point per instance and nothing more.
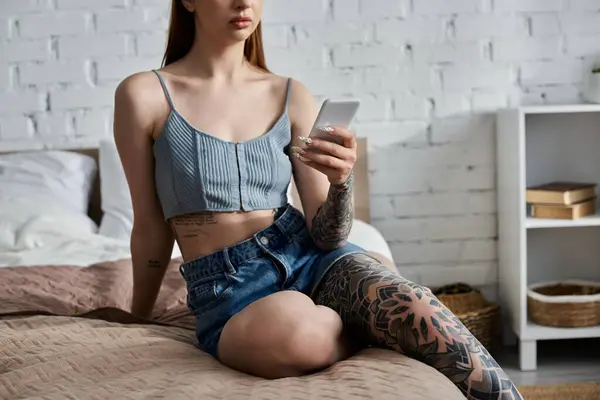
(139, 89)
(302, 104)
(300, 95)
(140, 99)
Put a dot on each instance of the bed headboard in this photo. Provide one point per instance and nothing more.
(361, 189)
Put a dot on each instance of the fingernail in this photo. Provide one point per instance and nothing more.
(298, 156)
(327, 129)
(305, 139)
(297, 150)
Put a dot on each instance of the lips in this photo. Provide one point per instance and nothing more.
(241, 19)
(241, 22)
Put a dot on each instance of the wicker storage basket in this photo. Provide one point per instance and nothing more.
(481, 317)
(569, 304)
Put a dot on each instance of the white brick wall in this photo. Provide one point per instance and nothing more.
(430, 74)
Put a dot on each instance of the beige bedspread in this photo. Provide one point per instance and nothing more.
(66, 333)
(101, 290)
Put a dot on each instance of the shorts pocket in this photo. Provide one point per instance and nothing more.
(204, 293)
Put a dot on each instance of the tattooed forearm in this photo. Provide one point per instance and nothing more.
(332, 223)
(394, 313)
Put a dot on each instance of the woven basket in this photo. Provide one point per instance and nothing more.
(478, 315)
(568, 304)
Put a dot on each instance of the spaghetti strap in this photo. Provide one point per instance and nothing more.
(164, 86)
(287, 93)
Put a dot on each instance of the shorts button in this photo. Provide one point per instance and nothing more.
(264, 240)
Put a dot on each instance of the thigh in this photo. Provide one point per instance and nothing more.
(353, 287)
(383, 307)
(386, 262)
(283, 334)
(392, 312)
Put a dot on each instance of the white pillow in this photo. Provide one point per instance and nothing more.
(64, 178)
(117, 218)
(24, 225)
(289, 193)
(369, 238)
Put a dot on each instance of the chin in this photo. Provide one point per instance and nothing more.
(240, 35)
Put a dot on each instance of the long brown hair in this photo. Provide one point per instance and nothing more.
(182, 32)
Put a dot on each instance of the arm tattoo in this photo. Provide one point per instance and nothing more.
(332, 223)
(391, 312)
(154, 264)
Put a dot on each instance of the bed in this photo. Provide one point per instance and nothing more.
(65, 289)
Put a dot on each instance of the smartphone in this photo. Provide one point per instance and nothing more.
(334, 113)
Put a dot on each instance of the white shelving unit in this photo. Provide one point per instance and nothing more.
(535, 145)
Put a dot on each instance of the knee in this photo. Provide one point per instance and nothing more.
(311, 346)
(288, 333)
(310, 340)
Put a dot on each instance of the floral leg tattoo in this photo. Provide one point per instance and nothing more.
(388, 311)
(332, 223)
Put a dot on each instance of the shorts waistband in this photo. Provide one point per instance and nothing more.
(288, 222)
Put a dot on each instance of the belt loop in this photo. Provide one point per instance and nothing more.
(284, 232)
(282, 223)
(230, 268)
(297, 223)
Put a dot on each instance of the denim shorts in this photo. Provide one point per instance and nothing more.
(279, 257)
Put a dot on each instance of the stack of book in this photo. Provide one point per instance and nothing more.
(561, 200)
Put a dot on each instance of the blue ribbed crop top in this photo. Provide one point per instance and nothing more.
(195, 171)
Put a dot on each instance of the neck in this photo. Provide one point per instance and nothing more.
(215, 59)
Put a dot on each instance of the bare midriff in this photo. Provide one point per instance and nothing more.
(204, 233)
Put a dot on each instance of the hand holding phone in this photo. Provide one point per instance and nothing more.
(334, 154)
(334, 113)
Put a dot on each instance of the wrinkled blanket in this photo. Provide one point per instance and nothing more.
(102, 290)
(66, 333)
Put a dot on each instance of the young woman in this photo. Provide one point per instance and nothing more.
(209, 145)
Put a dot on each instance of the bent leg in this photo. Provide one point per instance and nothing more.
(282, 335)
(389, 311)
